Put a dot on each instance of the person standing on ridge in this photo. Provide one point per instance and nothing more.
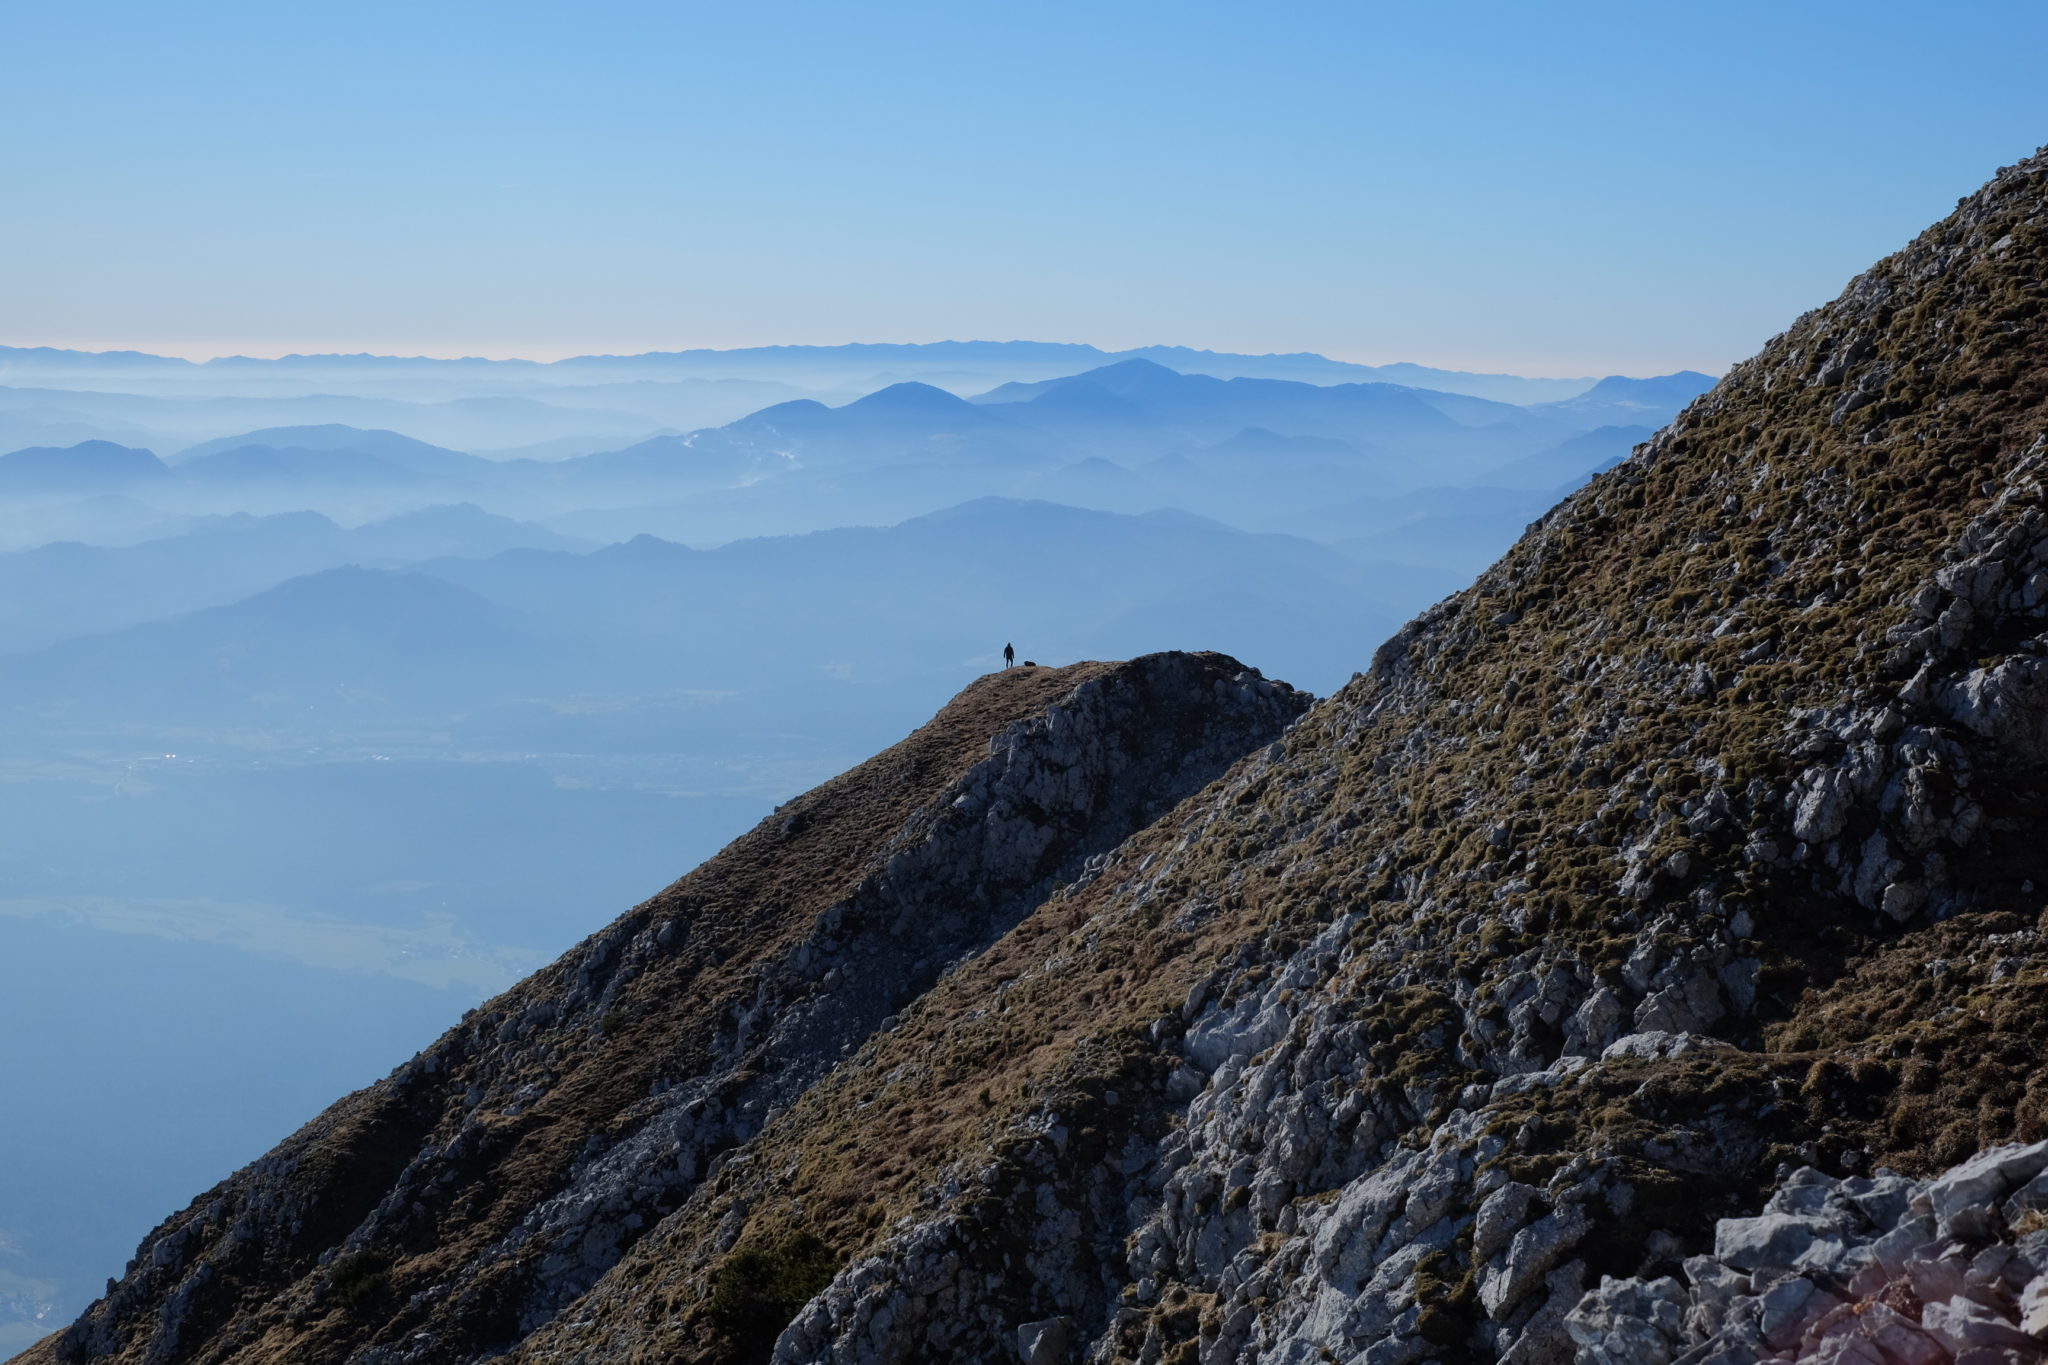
(1009, 655)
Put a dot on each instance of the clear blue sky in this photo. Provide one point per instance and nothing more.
(1553, 188)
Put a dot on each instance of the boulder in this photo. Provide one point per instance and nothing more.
(1628, 1322)
(2034, 1309)
(1045, 1342)
(1961, 1323)
(1966, 1197)
(1770, 1241)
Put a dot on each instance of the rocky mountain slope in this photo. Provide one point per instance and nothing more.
(511, 1164)
(1687, 861)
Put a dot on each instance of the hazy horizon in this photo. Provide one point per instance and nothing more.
(541, 354)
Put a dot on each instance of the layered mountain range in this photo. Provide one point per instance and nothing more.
(1125, 437)
(1642, 960)
(582, 404)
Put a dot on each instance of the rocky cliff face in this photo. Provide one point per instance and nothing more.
(1689, 853)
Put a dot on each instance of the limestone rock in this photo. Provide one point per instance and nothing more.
(1844, 1269)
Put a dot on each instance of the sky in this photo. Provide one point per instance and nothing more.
(1561, 189)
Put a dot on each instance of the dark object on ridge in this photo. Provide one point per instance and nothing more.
(1009, 655)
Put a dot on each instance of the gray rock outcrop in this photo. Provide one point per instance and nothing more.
(1880, 1271)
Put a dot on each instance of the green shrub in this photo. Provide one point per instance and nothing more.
(360, 1278)
(758, 1289)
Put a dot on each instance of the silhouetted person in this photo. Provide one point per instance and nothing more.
(1009, 655)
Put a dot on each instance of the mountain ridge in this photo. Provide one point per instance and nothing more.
(1089, 748)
